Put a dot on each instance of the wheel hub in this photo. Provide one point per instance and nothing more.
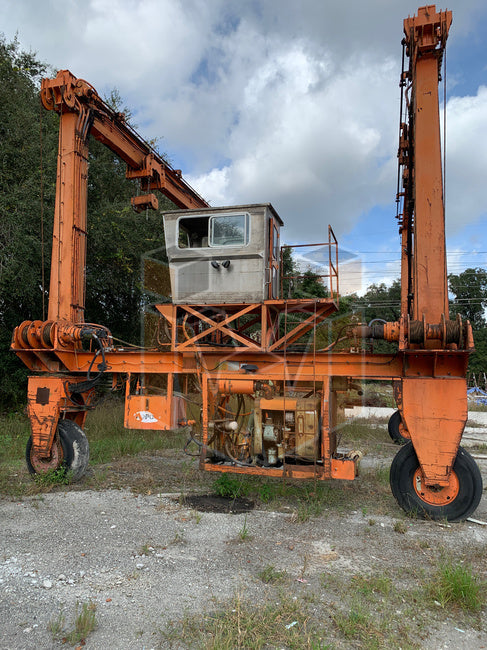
(42, 464)
(436, 495)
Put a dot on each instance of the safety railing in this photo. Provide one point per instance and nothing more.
(331, 283)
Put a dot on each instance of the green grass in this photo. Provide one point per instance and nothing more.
(356, 623)
(361, 611)
(400, 527)
(270, 575)
(455, 585)
(14, 433)
(312, 498)
(109, 439)
(83, 624)
(282, 623)
(379, 583)
(368, 611)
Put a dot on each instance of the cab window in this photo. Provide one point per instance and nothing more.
(213, 231)
(229, 230)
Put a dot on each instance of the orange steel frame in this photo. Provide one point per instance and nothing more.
(428, 369)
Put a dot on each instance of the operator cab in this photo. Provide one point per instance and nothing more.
(223, 255)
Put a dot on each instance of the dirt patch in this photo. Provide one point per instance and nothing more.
(213, 503)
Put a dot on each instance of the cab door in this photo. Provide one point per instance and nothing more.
(274, 260)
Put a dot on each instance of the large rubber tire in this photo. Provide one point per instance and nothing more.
(453, 503)
(396, 429)
(70, 450)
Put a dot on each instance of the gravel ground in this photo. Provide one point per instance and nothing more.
(145, 560)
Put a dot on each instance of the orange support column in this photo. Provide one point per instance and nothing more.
(67, 285)
(426, 36)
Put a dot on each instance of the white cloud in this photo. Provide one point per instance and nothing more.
(466, 168)
(287, 102)
(317, 144)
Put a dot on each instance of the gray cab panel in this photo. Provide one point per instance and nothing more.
(223, 255)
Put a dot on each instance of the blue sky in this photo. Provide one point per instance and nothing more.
(293, 103)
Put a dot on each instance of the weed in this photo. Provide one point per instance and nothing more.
(59, 476)
(372, 522)
(305, 565)
(243, 533)
(266, 493)
(367, 585)
(382, 475)
(473, 406)
(14, 432)
(270, 575)
(84, 623)
(109, 439)
(178, 538)
(240, 624)
(456, 585)
(399, 527)
(227, 486)
(145, 549)
(197, 516)
(353, 623)
(56, 625)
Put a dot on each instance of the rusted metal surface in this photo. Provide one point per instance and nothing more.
(435, 412)
(48, 399)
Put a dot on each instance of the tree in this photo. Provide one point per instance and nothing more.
(297, 284)
(380, 301)
(117, 237)
(470, 291)
(24, 207)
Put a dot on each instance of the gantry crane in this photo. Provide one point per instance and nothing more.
(264, 394)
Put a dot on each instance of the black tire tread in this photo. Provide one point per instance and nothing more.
(75, 446)
(393, 429)
(402, 471)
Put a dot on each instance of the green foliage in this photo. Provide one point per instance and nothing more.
(355, 623)
(309, 285)
(478, 360)
(297, 284)
(228, 486)
(283, 623)
(243, 533)
(59, 476)
(287, 270)
(380, 301)
(470, 291)
(23, 138)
